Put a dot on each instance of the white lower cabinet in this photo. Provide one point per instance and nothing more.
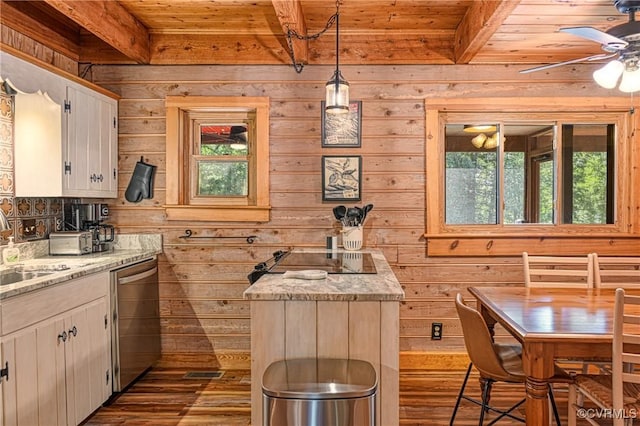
(59, 365)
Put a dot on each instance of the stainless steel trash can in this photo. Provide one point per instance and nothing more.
(319, 392)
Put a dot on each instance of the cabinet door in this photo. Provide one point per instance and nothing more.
(106, 174)
(87, 360)
(79, 121)
(34, 392)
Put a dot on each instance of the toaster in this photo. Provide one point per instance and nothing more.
(71, 242)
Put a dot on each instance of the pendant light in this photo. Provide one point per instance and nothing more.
(337, 89)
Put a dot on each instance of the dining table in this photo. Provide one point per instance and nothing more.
(551, 324)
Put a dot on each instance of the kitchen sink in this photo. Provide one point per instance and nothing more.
(11, 277)
(23, 273)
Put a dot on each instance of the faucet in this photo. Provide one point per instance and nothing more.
(4, 222)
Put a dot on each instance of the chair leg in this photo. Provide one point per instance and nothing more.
(572, 410)
(552, 400)
(464, 384)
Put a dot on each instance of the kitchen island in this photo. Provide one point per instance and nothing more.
(346, 315)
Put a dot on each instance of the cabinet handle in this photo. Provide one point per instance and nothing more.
(62, 336)
(5, 371)
(100, 178)
(73, 331)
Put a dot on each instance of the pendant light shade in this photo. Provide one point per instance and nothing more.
(609, 75)
(630, 81)
(337, 97)
(337, 88)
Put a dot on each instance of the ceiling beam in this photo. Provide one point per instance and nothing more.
(480, 22)
(109, 21)
(289, 13)
(40, 31)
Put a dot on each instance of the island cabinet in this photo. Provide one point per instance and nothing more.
(55, 346)
(346, 316)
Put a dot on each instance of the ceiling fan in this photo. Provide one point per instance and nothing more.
(621, 42)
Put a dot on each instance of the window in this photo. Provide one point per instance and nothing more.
(218, 158)
(533, 171)
(525, 153)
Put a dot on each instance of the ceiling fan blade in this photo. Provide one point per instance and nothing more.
(597, 57)
(598, 36)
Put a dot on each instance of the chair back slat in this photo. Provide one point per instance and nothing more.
(626, 346)
(558, 271)
(616, 271)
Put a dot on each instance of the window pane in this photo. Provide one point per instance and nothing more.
(222, 178)
(225, 139)
(514, 190)
(471, 176)
(544, 185)
(588, 173)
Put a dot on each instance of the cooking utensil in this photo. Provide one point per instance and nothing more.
(339, 212)
(352, 216)
(366, 209)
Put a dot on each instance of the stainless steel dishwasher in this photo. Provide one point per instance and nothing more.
(135, 344)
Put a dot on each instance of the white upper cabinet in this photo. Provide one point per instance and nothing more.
(66, 136)
(90, 167)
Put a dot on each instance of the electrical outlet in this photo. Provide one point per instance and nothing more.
(436, 330)
(28, 228)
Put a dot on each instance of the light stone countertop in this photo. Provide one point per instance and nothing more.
(382, 286)
(127, 249)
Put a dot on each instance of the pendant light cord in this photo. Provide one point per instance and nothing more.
(291, 33)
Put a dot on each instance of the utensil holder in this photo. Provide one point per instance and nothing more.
(352, 237)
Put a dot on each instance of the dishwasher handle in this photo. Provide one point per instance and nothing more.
(138, 277)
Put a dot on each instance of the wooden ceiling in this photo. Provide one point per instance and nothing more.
(371, 31)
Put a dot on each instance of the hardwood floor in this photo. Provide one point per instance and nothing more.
(165, 397)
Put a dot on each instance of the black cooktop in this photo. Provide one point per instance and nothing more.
(330, 261)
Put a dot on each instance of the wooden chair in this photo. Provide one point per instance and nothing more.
(558, 271)
(495, 362)
(616, 395)
(563, 272)
(616, 272)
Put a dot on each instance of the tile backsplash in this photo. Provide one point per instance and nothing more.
(47, 212)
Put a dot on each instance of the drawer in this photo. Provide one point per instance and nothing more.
(27, 309)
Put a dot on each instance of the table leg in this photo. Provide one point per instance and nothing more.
(539, 366)
(537, 402)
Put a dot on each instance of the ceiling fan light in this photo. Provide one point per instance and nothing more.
(492, 141)
(630, 81)
(608, 75)
(479, 140)
(478, 128)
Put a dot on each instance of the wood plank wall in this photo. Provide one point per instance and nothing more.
(204, 318)
(205, 322)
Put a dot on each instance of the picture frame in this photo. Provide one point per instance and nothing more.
(342, 130)
(341, 177)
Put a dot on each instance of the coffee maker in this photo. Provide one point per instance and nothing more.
(90, 217)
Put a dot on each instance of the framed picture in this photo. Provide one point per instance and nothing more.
(342, 130)
(341, 177)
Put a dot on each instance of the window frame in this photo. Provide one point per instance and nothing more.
(181, 113)
(511, 239)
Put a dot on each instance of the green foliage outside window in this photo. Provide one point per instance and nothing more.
(223, 178)
(471, 188)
